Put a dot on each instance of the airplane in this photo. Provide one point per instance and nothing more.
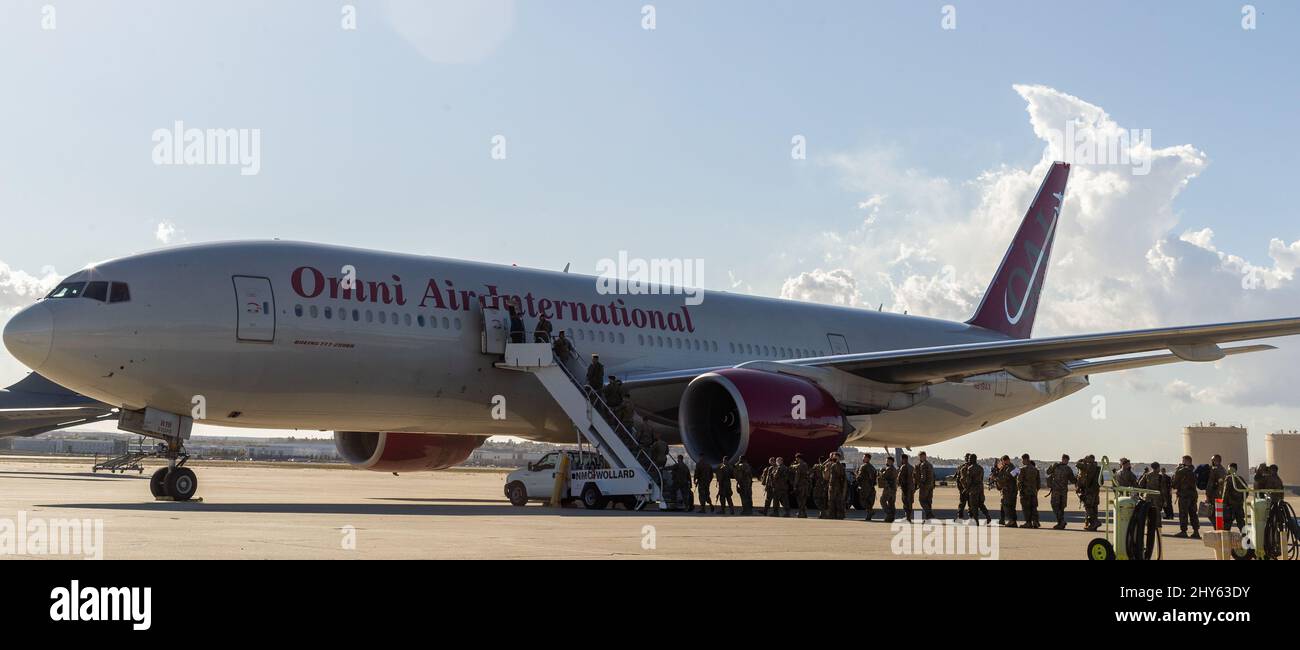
(36, 405)
(387, 351)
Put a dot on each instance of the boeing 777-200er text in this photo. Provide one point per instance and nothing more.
(406, 359)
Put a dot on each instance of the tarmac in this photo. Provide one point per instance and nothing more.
(292, 511)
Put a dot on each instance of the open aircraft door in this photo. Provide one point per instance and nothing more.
(256, 309)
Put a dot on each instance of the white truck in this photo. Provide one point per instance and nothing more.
(590, 480)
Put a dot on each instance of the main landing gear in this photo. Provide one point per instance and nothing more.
(175, 481)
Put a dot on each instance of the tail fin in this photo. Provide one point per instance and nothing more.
(1012, 298)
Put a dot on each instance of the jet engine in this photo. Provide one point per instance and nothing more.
(759, 414)
(384, 451)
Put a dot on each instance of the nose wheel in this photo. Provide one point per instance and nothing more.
(178, 483)
(175, 481)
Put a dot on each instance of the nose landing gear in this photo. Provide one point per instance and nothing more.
(175, 481)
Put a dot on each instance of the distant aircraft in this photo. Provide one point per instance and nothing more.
(36, 405)
(276, 335)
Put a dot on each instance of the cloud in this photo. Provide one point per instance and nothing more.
(165, 232)
(836, 287)
(19, 289)
(1122, 259)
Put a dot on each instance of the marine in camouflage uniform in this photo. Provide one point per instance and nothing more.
(1214, 484)
(925, 486)
(1233, 500)
(887, 481)
(802, 476)
(907, 486)
(975, 490)
(1005, 482)
(681, 482)
(1151, 481)
(867, 486)
(1125, 476)
(959, 477)
(781, 488)
(723, 475)
(1089, 490)
(1167, 493)
(745, 486)
(703, 479)
(1059, 479)
(1184, 485)
(837, 483)
(768, 493)
(818, 474)
(1028, 483)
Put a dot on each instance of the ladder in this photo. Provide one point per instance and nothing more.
(591, 416)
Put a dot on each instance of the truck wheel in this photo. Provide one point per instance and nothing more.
(591, 498)
(517, 494)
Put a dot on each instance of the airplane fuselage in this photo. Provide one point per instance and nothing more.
(273, 335)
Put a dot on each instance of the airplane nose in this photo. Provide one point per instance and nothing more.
(29, 335)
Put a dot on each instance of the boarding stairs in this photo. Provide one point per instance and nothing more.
(593, 419)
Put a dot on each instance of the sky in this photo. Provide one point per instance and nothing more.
(670, 129)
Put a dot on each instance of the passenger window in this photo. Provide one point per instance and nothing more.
(67, 290)
(314, 311)
(97, 291)
(356, 315)
(119, 292)
(383, 317)
(329, 313)
(297, 311)
(370, 316)
(420, 319)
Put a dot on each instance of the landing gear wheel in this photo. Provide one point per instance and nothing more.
(1100, 549)
(1243, 554)
(517, 494)
(181, 484)
(156, 486)
(592, 500)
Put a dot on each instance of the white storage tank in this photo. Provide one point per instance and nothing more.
(1283, 449)
(1201, 441)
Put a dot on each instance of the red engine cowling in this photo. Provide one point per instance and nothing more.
(404, 452)
(744, 412)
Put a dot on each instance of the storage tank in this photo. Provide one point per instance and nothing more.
(1201, 441)
(1283, 449)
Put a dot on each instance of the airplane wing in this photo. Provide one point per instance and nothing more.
(36, 405)
(1032, 359)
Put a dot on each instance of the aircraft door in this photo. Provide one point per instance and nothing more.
(495, 330)
(256, 309)
(838, 344)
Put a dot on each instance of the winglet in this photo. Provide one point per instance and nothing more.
(1011, 300)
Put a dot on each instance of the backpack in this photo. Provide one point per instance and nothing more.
(1202, 476)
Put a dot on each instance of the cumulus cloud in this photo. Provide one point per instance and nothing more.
(165, 231)
(1122, 259)
(836, 287)
(19, 289)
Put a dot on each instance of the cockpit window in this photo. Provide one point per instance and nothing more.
(68, 290)
(96, 291)
(120, 292)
